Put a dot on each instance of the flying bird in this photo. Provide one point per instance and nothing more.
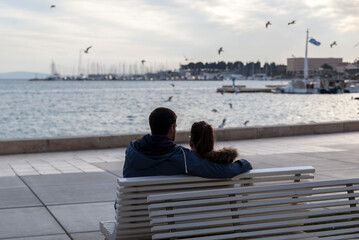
(169, 99)
(143, 61)
(246, 122)
(334, 43)
(87, 49)
(214, 110)
(292, 22)
(356, 45)
(52, 6)
(293, 56)
(223, 123)
(268, 23)
(230, 105)
(220, 50)
(172, 85)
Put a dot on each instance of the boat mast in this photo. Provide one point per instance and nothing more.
(306, 58)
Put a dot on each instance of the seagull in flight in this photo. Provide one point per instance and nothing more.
(169, 99)
(246, 122)
(230, 105)
(214, 110)
(87, 49)
(268, 23)
(293, 56)
(143, 61)
(223, 123)
(52, 6)
(292, 22)
(220, 50)
(172, 85)
(334, 43)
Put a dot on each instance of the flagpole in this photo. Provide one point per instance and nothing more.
(306, 58)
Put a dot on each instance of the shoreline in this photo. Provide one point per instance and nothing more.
(73, 143)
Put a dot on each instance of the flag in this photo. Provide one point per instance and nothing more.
(315, 42)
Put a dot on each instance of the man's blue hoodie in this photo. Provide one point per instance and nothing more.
(155, 155)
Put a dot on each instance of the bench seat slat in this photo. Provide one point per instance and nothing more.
(246, 212)
(246, 198)
(194, 194)
(142, 181)
(288, 230)
(251, 219)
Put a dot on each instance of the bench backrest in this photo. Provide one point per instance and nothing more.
(132, 217)
(328, 209)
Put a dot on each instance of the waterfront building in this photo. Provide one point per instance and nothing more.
(295, 66)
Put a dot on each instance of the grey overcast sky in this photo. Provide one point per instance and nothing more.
(163, 31)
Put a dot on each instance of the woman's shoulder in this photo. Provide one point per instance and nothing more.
(224, 155)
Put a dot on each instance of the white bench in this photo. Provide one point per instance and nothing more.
(132, 220)
(325, 209)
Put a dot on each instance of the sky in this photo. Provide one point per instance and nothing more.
(164, 32)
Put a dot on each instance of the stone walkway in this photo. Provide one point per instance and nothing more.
(65, 195)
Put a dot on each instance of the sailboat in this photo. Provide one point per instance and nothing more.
(305, 85)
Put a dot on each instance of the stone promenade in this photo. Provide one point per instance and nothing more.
(64, 195)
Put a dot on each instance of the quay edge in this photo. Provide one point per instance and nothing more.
(73, 143)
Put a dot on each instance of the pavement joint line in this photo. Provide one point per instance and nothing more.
(47, 209)
(5, 208)
(57, 234)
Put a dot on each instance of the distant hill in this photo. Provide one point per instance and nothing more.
(22, 75)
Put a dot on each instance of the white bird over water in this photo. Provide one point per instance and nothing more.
(236, 90)
(223, 123)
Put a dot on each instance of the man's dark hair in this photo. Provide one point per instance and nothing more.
(161, 120)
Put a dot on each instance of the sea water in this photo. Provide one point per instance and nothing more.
(32, 109)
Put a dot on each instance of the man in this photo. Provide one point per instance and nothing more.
(157, 154)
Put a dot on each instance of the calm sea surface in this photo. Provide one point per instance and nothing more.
(47, 109)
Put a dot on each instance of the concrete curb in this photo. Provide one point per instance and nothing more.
(58, 144)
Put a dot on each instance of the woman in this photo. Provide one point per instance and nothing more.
(202, 143)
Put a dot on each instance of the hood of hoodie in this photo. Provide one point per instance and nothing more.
(149, 151)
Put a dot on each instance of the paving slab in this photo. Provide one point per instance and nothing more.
(17, 197)
(88, 236)
(48, 237)
(77, 193)
(27, 222)
(112, 167)
(69, 179)
(11, 182)
(76, 218)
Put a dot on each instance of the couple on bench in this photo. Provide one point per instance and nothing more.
(156, 153)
